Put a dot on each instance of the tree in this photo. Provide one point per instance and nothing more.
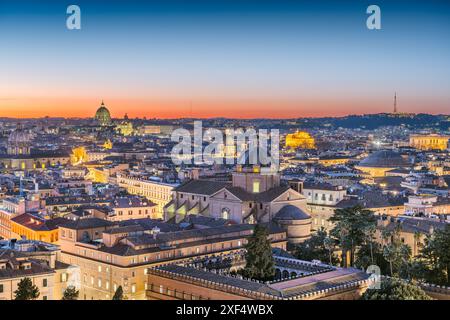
(71, 293)
(26, 290)
(318, 247)
(397, 254)
(434, 257)
(395, 289)
(118, 295)
(259, 259)
(352, 228)
(371, 254)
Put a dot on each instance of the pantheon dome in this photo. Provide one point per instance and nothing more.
(377, 163)
(103, 116)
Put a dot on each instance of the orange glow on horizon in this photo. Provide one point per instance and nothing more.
(172, 109)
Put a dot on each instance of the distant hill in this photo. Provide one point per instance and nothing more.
(374, 121)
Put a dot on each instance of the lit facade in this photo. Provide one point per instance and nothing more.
(429, 142)
(300, 139)
(157, 192)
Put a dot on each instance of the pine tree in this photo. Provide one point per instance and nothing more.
(71, 293)
(353, 227)
(118, 295)
(26, 290)
(259, 259)
(434, 257)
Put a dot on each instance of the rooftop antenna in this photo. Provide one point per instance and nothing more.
(395, 102)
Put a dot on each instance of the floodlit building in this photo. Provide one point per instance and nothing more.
(300, 139)
(102, 115)
(429, 142)
(160, 193)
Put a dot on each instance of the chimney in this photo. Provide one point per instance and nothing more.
(12, 243)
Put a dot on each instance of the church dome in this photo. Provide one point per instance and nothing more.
(102, 115)
(290, 212)
(384, 159)
(19, 142)
(19, 136)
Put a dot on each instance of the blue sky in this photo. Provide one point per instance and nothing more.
(304, 57)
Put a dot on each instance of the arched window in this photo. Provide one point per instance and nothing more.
(225, 213)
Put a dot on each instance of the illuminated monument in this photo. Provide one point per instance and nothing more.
(103, 116)
(300, 139)
(429, 142)
(125, 127)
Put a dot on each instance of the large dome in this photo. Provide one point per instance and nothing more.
(19, 136)
(19, 142)
(103, 116)
(290, 212)
(384, 159)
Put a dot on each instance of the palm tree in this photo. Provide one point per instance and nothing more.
(389, 254)
(417, 237)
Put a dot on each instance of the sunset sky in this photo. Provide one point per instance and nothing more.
(210, 58)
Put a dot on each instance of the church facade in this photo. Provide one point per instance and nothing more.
(252, 197)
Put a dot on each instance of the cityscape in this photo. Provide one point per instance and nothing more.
(130, 195)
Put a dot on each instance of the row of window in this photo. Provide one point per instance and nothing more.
(323, 197)
(44, 284)
(173, 292)
(192, 197)
(106, 283)
(322, 222)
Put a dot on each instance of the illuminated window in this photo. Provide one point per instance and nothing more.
(255, 186)
(225, 213)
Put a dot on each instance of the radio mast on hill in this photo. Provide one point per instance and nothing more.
(395, 102)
